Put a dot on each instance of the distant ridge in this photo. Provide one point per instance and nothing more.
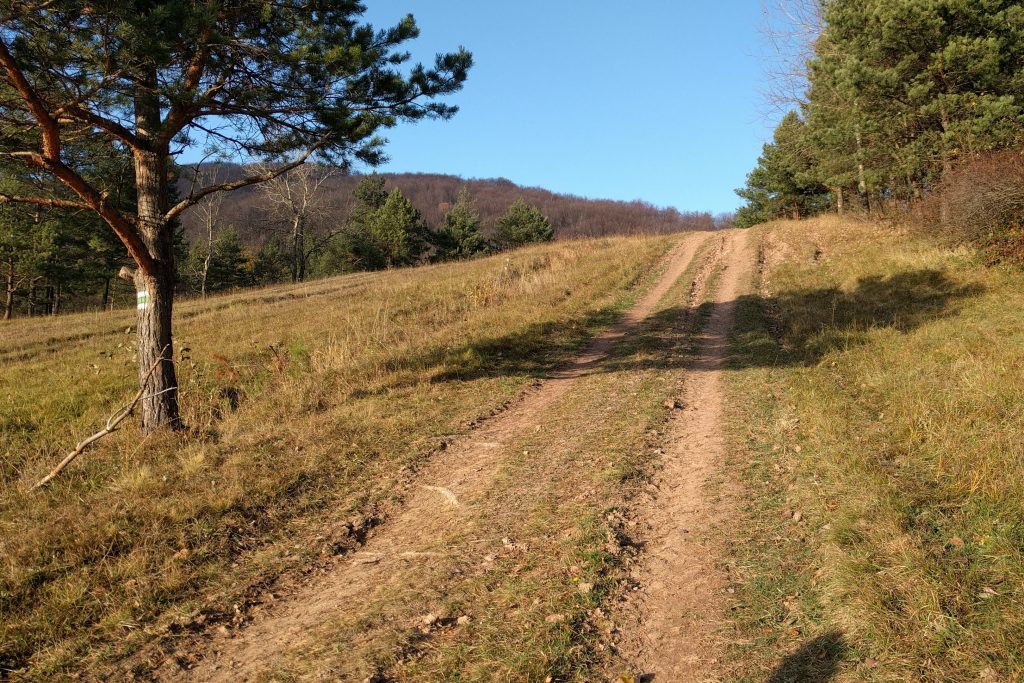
(433, 193)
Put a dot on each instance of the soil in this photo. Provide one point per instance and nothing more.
(673, 618)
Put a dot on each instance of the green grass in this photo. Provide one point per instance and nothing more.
(878, 384)
(306, 405)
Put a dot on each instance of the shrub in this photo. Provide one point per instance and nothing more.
(982, 202)
(522, 224)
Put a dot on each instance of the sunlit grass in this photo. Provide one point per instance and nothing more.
(879, 379)
(305, 405)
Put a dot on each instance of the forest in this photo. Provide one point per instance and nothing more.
(911, 109)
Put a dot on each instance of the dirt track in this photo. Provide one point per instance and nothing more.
(674, 618)
(671, 630)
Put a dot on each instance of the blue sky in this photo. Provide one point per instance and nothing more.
(658, 100)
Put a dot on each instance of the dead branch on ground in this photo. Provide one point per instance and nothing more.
(112, 424)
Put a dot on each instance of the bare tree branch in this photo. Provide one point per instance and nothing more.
(269, 174)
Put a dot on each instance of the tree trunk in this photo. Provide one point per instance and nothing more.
(106, 294)
(57, 291)
(209, 254)
(862, 181)
(9, 289)
(839, 200)
(155, 290)
(155, 308)
(297, 248)
(32, 296)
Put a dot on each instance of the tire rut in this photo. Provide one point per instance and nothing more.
(672, 620)
(413, 545)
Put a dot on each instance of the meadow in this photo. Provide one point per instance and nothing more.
(879, 430)
(307, 407)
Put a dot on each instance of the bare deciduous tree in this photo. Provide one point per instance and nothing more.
(297, 197)
(208, 211)
(791, 30)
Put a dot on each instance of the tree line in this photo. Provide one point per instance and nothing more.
(304, 235)
(901, 95)
(310, 222)
(434, 194)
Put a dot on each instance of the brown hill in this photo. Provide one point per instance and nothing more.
(432, 194)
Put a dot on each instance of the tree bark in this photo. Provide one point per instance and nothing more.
(298, 249)
(155, 286)
(862, 181)
(155, 309)
(209, 256)
(9, 289)
(32, 296)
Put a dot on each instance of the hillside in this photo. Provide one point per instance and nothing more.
(433, 195)
(785, 453)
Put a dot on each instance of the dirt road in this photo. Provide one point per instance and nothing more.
(411, 558)
(673, 619)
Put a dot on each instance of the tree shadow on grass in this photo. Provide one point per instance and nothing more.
(817, 661)
(791, 328)
(800, 327)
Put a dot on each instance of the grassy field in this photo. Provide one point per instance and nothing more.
(308, 407)
(876, 467)
(560, 496)
(879, 430)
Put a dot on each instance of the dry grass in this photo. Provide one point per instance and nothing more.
(879, 384)
(307, 406)
(562, 497)
(549, 520)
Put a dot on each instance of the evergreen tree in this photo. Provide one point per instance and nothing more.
(460, 236)
(270, 265)
(783, 184)
(522, 224)
(396, 232)
(900, 92)
(289, 79)
(228, 263)
(370, 193)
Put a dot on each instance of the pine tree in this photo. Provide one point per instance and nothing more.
(397, 232)
(459, 236)
(228, 262)
(283, 80)
(522, 224)
(783, 184)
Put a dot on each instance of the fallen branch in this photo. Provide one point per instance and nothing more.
(112, 423)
